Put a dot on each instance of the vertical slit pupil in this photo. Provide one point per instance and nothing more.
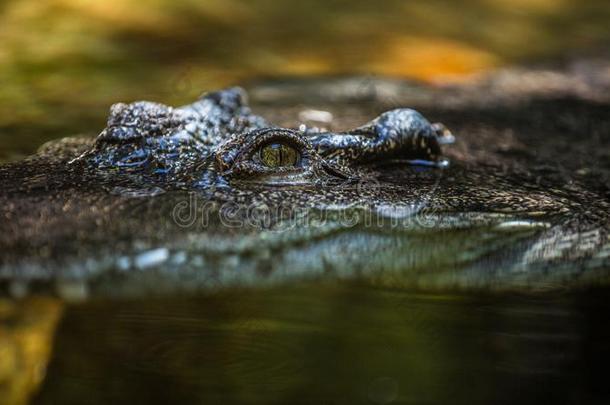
(278, 155)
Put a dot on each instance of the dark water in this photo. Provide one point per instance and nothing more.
(334, 344)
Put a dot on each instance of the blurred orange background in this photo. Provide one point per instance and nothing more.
(63, 62)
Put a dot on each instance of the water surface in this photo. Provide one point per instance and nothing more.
(333, 343)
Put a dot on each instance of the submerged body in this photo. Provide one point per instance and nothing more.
(210, 195)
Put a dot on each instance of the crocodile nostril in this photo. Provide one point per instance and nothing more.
(443, 134)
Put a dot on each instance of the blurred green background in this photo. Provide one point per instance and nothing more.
(63, 62)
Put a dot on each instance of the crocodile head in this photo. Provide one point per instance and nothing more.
(240, 200)
(217, 141)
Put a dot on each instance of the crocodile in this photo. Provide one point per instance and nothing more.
(217, 140)
(211, 195)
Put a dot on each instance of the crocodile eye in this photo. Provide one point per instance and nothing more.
(278, 155)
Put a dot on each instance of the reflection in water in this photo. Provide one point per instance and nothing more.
(331, 344)
(26, 336)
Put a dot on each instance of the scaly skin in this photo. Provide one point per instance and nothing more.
(172, 199)
(216, 139)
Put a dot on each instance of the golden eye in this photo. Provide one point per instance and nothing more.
(278, 155)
